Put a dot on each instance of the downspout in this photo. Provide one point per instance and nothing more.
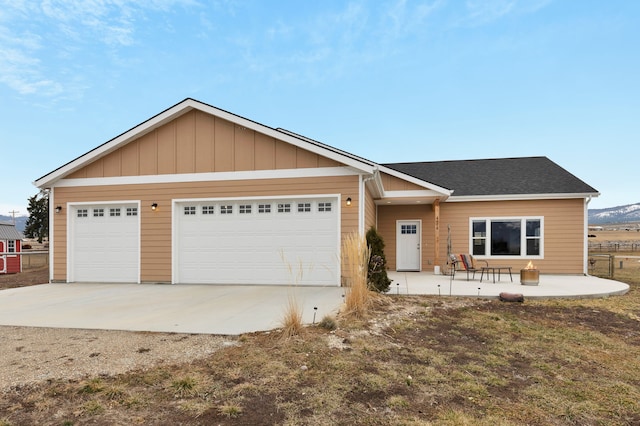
(585, 260)
(361, 204)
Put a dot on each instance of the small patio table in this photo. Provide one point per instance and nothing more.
(493, 270)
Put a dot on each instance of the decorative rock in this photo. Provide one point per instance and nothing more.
(511, 297)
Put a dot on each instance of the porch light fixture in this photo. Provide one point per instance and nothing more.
(58, 209)
(154, 206)
(348, 201)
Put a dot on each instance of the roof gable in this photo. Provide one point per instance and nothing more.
(8, 231)
(180, 113)
(498, 177)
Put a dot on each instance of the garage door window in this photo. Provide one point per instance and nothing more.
(114, 212)
(324, 207)
(132, 211)
(98, 212)
(304, 207)
(189, 210)
(245, 208)
(208, 209)
(284, 208)
(82, 213)
(226, 209)
(264, 208)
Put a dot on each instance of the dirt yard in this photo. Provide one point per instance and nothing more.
(413, 360)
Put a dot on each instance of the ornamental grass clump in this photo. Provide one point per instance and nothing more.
(355, 259)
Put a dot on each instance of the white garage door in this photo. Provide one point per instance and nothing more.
(293, 241)
(104, 243)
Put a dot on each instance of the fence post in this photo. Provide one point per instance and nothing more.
(611, 269)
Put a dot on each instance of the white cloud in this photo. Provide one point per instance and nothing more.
(40, 41)
(481, 12)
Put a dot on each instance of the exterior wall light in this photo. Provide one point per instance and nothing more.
(348, 201)
(58, 209)
(154, 206)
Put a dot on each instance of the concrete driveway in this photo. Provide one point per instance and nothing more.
(210, 309)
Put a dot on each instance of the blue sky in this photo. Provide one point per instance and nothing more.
(390, 81)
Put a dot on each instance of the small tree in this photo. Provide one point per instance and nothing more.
(377, 274)
(38, 222)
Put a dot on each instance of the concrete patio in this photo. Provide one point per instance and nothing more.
(550, 286)
(237, 309)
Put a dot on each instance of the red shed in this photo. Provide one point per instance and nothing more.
(10, 239)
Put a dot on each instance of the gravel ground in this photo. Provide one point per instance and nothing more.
(32, 355)
(29, 355)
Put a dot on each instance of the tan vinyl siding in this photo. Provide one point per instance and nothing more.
(563, 231)
(156, 226)
(387, 218)
(369, 210)
(392, 183)
(199, 143)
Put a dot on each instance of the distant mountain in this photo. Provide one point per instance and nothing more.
(620, 214)
(21, 221)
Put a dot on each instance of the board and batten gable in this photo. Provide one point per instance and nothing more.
(197, 142)
(563, 231)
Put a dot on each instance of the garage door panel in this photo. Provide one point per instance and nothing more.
(256, 247)
(104, 243)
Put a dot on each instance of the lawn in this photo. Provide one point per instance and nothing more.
(412, 360)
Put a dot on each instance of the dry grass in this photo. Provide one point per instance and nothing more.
(412, 360)
(291, 322)
(355, 258)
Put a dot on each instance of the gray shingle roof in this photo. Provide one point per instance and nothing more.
(501, 176)
(9, 232)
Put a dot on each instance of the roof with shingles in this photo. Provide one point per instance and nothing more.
(501, 176)
(8, 231)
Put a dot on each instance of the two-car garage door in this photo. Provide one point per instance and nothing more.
(248, 241)
(257, 241)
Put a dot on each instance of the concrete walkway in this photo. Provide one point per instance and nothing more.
(550, 286)
(210, 309)
(237, 309)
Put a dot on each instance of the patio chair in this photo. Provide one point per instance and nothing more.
(466, 262)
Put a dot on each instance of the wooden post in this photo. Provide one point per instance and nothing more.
(436, 211)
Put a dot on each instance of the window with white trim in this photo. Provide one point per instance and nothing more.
(324, 207)
(264, 208)
(98, 212)
(83, 213)
(507, 237)
(189, 210)
(228, 209)
(244, 208)
(132, 211)
(114, 212)
(11, 246)
(208, 209)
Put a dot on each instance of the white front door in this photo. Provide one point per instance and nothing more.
(408, 245)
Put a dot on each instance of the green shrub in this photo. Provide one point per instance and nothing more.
(377, 274)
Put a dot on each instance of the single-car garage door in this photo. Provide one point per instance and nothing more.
(275, 241)
(104, 243)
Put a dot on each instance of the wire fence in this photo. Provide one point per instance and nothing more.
(621, 246)
(616, 266)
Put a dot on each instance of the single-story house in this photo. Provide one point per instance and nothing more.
(10, 244)
(197, 194)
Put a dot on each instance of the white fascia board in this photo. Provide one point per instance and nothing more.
(412, 194)
(209, 177)
(180, 109)
(518, 197)
(440, 190)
